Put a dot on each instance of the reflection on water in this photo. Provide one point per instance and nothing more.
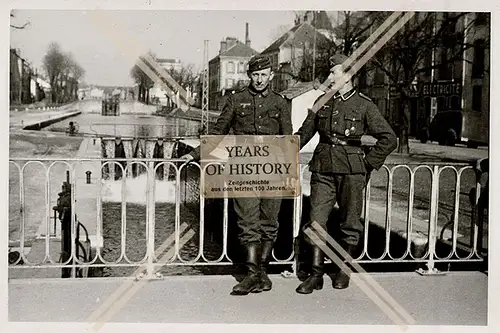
(129, 126)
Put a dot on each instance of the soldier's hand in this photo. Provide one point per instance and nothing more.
(368, 140)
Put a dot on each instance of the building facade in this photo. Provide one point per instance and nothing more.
(459, 65)
(299, 53)
(25, 85)
(228, 70)
(168, 64)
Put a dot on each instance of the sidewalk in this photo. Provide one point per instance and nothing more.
(453, 299)
(86, 194)
(23, 119)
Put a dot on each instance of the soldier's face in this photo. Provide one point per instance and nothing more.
(260, 79)
(338, 76)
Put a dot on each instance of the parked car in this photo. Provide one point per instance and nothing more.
(445, 128)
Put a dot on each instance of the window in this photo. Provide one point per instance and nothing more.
(241, 67)
(478, 62)
(444, 66)
(230, 67)
(229, 83)
(455, 103)
(477, 98)
(379, 78)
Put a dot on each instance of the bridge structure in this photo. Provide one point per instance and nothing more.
(439, 295)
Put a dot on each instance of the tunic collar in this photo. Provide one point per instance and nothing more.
(347, 95)
(264, 93)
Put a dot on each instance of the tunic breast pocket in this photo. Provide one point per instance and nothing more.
(323, 121)
(273, 114)
(242, 112)
(353, 125)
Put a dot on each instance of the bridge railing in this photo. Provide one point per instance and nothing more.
(388, 207)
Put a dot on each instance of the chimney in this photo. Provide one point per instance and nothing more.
(247, 39)
(223, 47)
(230, 41)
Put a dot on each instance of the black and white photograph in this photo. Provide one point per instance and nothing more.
(375, 212)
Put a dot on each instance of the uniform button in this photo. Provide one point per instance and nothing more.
(335, 123)
(334, 134)
(260, 116)
(260, 105)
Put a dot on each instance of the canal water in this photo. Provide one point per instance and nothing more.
(128, 126)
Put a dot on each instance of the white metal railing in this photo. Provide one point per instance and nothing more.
(151, 260)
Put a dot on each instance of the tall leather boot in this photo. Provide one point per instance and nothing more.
(251, 283)
(341, 280)
(315, 280)
(267, 249)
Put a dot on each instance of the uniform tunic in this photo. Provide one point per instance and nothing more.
(339, 164)
(248, 112)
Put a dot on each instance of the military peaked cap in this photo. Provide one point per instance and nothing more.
(337, 59)
(258, 62)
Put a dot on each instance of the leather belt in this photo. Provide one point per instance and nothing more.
(338, 142)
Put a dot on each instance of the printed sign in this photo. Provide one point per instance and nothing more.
(250, 166)
(438, 89)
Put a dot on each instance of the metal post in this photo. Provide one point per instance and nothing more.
(431, 270)
(205, 104)
(150, 221)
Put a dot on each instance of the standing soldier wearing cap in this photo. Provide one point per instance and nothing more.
(339, 165)
(255, 110)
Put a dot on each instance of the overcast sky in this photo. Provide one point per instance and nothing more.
(169, 34)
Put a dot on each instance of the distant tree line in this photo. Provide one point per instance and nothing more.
(185, 77)
(63, 73)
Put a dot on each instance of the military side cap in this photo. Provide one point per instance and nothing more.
(258, 62)
(337, 59)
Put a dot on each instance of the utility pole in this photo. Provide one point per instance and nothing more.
(314, 47)
(204, 100)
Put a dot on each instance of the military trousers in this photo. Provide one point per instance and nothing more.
(257, 219)
(347, 191)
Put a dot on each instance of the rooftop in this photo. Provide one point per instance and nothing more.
(297, 90)
(239, 49)
(298, 36)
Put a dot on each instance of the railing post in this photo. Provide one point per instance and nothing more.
(151, 219)
(431, 270)
(476, 234)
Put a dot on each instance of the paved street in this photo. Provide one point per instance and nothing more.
(453, 299)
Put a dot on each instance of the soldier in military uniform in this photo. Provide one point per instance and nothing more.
(340, 166)
(255, 110)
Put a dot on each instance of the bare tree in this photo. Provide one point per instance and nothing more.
(406, 57)
(355, 28)
(63, 73)
(185, 76)
(143, 80)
